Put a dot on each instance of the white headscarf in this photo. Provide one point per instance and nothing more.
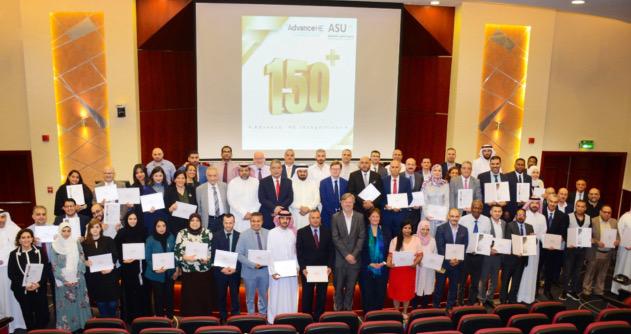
(7, 237)
(68, 248)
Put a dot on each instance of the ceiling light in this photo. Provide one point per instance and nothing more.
(578, 2)
(434, 2)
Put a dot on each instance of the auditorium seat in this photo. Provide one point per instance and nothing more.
(608, 327)
(298, 320)
(501, 330)
(328, 328)
(445, 332)
(554, 329)
(525, 322)
(49, 331)
(425, 313)
(141, 323)
(106, 331)
(431, 324)
(580, 318)
(609, 314)
(105, 323)
(218, 330)
(273, 329)
(383, 315)
(162, 330)
(381, 327)
(505, 311)
(348, 317)
(549, 308)
(245, 322)
(190, 324)
(460, 311)
(470, 323)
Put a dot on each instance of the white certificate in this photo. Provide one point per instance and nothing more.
(502, 246)
(75, 192)
(286, 268)
(184, 210)
(417, 199)
(432, 261)
(46, 233)
(538, 192)
(225, 259)
(317, 274)
(496, 192)
(524, 245)
(482, 243)
(454, 251)
(106, 193)
(402, 259)
(155, 201)
(437, 212)
(523, 192)
(465, 197)
(163, 261)
(75, 227)
(260, 257)
(128, 195)
(197, 249)
(579, 237)
(101, 262)
(32, 273)
(552, 241)
(398, 201)
(608, 237)
(370, 193)
(626, 237)
(134, 251)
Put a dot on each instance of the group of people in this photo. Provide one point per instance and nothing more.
(285, 223)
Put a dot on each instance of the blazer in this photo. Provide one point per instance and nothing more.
(512, 184)
(571, 198)
(456, 184)
(387, 237)
(171, 196)
(220, 241)
(293, 170)
(446, 170)
(596, 228)
(201, 196)
(356, 185)
(559, 224)
(153, 246)
(513, 228)
(247, 240)
(444, 237)
(310, 255)
(418, 181)
(348, 243)
(267, 197)
(486, 178)
(381, 170)
(83, 221)
(404, 187)
(331, 204)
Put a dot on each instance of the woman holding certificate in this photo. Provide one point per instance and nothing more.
(71, 294)
(404, 255)
(131, 269)
(178, 191)
(373, 276)
(102, 278)
(425, 277)
(157, 183)
(192, 254)
(436, 196)
(161, 278)
(26, 265)
(73, 180)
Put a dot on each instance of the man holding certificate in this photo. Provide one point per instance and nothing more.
(574, 255)
(476, 223)
(360, 179)
(283, 283)
(76, 220)
(520, 185)
(314, 246)
(454, 234)
(513, 265)
(463, 190)
(599, 256)
(254, 272)
(557, 223)
(491, 264)
(496, 179)
(398, 195)
(226, 239)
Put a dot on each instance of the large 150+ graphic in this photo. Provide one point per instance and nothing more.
(298, 82)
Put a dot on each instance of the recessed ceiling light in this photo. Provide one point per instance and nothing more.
(434, 2)
(578, 2)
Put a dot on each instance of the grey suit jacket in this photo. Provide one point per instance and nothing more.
(201, 194)
(456, 184)
(247, 241)
(346, 243)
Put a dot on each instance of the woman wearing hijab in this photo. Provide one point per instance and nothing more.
(160, 280)
(9, 306)
(102, 285)
(134, 290)
(403, 278)
(71, 294)
(32, 297)
(178, 191)
(157, 183)
(73, 178)
(425, 277)
(197, 278)
(436, 195)
(373, 276)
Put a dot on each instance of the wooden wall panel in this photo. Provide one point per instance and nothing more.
(18, 190)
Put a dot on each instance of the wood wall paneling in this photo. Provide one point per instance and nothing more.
(18, 190)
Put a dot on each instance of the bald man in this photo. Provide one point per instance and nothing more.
(159, 160)
(359, 179)
(109, 175)
(258, 169)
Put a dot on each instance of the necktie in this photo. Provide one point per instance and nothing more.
(365, 179)
(258, 240)
(260, 174)
(475, 227)
(466, 183)
(549, 219)
(225, 172)
(496, 180)
(521, 228)
(519, 178)
(411, 178)
(315, 237)
(216, 201)
(277, 189)
(395, 189)
(229, 242)
(336, 191)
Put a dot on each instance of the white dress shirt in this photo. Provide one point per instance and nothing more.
(484, 226)
(211, 200)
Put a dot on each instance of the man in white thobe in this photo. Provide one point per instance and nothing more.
(482, 164)
(623, 261)
(283, 291)
(320, 169)
(243, 198)
(347, 166)
(9, 306)
(529, 281)
(306, 197)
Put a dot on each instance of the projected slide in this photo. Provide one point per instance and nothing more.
(297, 82)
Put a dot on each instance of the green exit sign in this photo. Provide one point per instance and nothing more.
(586, 145)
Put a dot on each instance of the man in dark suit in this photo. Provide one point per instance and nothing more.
(491, 264)
(375, 163)
(450, 161)
(314, 247)
(289, 164)
(519, 175)
(75, 219)
(513, 265)
(395, 184)
(565, 205)
(580, 193)
(492, 176)
(275, 193)
(359, 179)
(227, 278)
(331, 190)
(593, 203)
(349, 234)
(416, 183)
(552, 259)
(452, 233)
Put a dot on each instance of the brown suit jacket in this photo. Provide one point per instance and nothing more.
(595, 225)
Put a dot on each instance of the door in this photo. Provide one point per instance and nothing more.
(17, 191)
